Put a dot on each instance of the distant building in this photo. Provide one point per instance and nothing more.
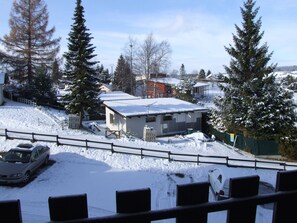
(2, 76)
(167, 116)
(161, 87)
(106, 88)
(200, 89)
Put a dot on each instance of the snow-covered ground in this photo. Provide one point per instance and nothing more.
(100, 174)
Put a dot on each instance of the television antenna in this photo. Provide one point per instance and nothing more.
(149, 105)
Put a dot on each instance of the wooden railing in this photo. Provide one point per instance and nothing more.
(192, 204)
(148, 152)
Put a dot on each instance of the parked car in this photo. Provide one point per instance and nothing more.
(219, 183)
(18, 164)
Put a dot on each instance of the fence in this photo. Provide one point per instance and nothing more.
(146, 152)
(192, 204)
(27, 101)
(254, 146)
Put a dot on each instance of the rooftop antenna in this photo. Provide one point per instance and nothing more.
(149, 105)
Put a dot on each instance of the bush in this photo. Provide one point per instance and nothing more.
(288, 144)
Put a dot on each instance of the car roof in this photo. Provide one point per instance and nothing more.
(24, 147)
(231, 173)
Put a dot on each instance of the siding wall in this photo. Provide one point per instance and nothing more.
(179, 123)
(1, 94)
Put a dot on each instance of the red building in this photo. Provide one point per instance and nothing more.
(161, 87)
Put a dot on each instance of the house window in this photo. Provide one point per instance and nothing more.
(111, 118)
(150, 119)
(167, 117)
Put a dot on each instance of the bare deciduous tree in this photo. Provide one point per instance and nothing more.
(151, 56)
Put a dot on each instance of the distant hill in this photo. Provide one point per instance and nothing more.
(286, 68)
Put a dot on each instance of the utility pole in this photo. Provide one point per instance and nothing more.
(112, 77)
(131, 69)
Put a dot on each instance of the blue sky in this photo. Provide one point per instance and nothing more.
(197, 30)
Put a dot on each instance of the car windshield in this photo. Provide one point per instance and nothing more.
(17, 156)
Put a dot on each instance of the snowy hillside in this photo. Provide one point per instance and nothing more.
(100, 174)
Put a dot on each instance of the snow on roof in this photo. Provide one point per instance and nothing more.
(109, 86)
(167, 80)
(2, 78)
(283, 74)
(115, 95)
(200, 84)
(152, 106)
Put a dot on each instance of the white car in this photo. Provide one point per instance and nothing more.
(220, 183)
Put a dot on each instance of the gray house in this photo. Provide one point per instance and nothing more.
(166, 116)
(1, 87)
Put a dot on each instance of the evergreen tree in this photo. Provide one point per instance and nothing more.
(80, 68)
(103, 75)
(290, 82)
(29, 41)
(253, 103)
(270, 108)
(56, 72)
(201, 75)
(122, 76)
(182, 72)
(42, 87)
(184, 89)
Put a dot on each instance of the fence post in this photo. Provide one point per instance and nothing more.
(133, 201)
(244, 213)
(11, 210)
(198, 156)
(33, 140)
(285, 165)
(255, 164)
(111, 148)
(227, 161)
(141, 153)
(86, 144)
(57, 140)
(191, 194)
(6, 136)
(169, 156)
(285, 210)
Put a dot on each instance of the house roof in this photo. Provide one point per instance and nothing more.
(109, 86)
(115, 95)
(2, 78)
(167, 80)
(138, 107)
(200, 84)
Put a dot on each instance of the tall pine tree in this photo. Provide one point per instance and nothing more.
(253, 103)
(80, 67)
(29, 42)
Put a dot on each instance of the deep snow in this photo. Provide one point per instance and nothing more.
(100, 174)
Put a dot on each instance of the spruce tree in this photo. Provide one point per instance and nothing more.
(253, 103)
(103, 75)
(42, 87)
(182, 72)
(56, 72)
(29, 42)
(122, 76)
(201, 75)
(270, 108)
(80, 67)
